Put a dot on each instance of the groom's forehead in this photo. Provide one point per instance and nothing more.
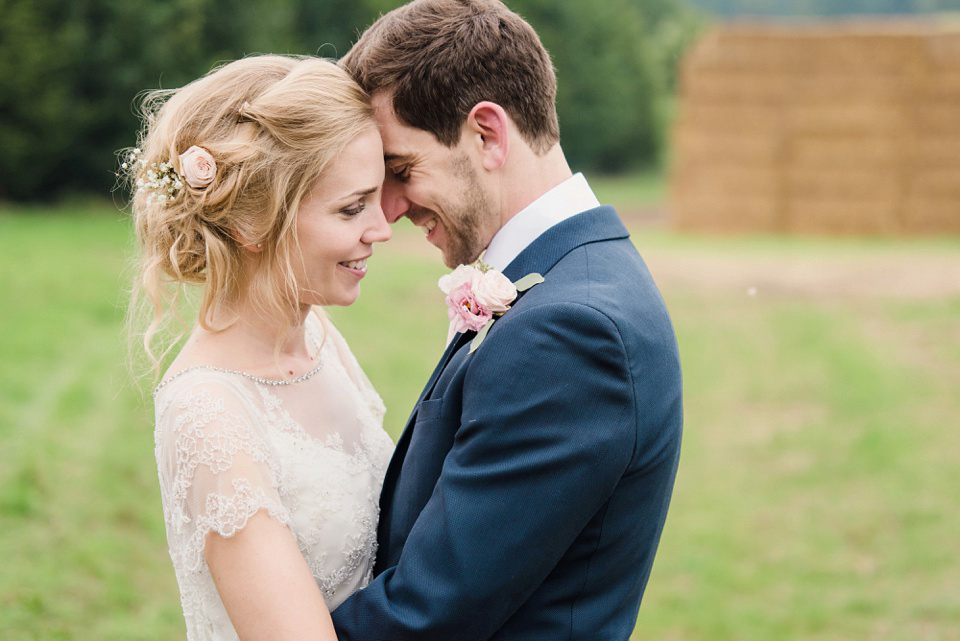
(403, 143)
(398, 136)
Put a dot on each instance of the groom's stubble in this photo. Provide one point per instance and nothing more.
(471, 221)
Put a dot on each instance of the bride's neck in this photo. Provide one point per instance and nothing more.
(257, 334)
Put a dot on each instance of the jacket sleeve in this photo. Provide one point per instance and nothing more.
(546, 432)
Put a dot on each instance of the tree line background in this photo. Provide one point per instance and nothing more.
(71, 70)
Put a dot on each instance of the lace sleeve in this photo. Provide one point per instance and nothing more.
(215, 464)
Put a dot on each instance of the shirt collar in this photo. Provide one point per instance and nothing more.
(567, 199)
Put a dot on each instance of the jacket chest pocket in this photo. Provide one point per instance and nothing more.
(429, 410)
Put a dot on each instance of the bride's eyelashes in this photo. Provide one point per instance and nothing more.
(354, 210)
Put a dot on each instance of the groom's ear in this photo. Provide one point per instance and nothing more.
(487, 127)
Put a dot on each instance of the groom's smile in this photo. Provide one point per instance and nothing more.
(425, 219)
(435, 186)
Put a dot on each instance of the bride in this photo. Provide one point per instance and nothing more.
(260, 182)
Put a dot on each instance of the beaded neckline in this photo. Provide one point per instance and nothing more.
(256, 379)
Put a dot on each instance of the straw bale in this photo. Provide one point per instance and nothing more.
(864, 54)
(931, 215)
(807, 50)
(719, 51)
(727, 147)
(875, 152)
(762, 119)
(936, 184)
(777, 87)
(941, 84)
(845, 117)
(819, 129)
(939, 116)
(852, 184)
(831, 86)
(730, 181)
(742, 87)
(933, 151)
(943, 50)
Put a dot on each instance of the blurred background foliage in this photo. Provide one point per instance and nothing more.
(71, 70)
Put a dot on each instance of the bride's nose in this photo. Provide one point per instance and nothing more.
(378, 230)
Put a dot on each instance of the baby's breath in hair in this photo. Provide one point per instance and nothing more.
(160, 180)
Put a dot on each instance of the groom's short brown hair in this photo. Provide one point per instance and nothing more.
(442, 57)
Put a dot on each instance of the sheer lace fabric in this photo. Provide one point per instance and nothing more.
(311, 455)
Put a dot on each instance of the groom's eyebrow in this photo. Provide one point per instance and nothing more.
(396, 157)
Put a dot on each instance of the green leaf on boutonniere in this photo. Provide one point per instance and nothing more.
(475, 343)
(528, 281)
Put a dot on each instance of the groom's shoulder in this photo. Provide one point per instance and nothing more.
(610, 275)
(596, 287)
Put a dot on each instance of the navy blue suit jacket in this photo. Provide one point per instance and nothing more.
(527, 494)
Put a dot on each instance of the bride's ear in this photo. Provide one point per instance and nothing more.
(255, 248)
(487, 124)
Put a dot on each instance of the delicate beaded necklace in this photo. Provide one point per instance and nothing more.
(255, 379)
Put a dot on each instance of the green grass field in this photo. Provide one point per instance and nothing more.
(817, 493)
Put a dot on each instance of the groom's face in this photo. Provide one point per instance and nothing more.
(437, 187)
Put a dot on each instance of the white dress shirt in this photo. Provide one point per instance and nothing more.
(567, 199)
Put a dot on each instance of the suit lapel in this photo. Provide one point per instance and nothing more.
(455, 344)
(593, 225)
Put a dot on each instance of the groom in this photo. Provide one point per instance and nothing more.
(528, 492)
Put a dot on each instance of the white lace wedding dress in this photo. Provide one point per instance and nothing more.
(311, 453)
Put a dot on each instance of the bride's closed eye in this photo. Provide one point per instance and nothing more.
(354, 210)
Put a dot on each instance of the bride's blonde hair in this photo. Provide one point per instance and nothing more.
(272, 124)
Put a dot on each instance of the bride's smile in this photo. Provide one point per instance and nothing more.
(338, 223)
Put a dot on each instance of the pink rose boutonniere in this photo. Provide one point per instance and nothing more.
(477, 295)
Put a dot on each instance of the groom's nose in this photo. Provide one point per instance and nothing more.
(394, 202)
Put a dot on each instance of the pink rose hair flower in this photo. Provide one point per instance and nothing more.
(197, 167)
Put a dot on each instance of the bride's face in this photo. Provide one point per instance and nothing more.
(338, 223)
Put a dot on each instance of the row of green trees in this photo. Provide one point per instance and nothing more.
(70, 72)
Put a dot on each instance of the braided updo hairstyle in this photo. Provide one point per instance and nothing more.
(272, 125)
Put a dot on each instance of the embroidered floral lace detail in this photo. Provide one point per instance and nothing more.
(311, 456)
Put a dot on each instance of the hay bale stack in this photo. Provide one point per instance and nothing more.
(828, 130)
